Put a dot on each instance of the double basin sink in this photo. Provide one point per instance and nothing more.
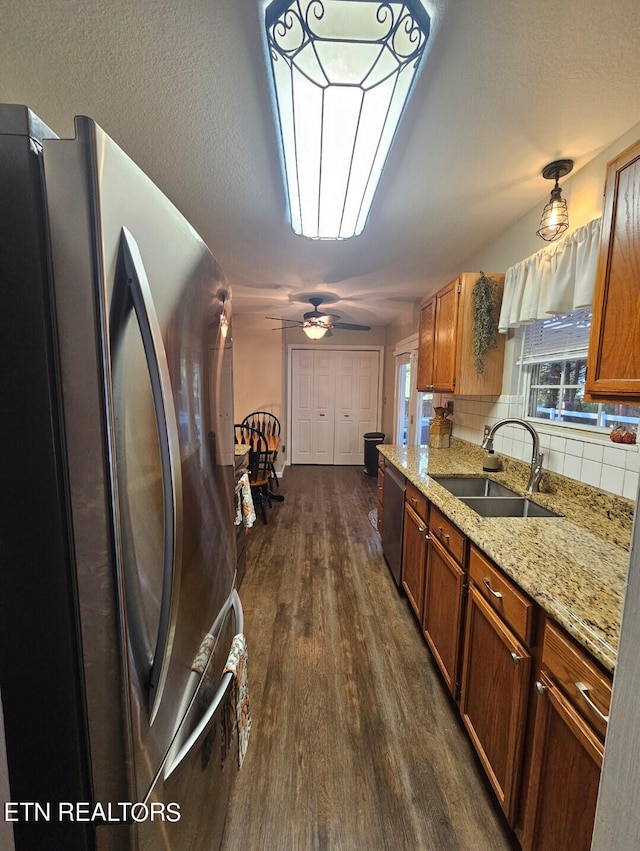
(490, 499)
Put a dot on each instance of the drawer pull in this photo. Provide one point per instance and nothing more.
(421, 529)
(441, 533)
(540, 688)
(496, 594)
(515, 658)
(584, 690)
(413, 501)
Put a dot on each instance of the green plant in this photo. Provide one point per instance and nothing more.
(485, 327)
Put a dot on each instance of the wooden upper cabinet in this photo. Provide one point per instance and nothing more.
(425, 344)
(446, 345)
(446, 336)
(613, 364)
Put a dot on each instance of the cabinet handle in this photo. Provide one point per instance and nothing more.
(421, 529)
(540, 687)
(515, 658)
(413, 501)
(441, 533)
(496, 594)
(584, 690)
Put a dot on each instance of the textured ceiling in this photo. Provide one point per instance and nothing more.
(181, 85)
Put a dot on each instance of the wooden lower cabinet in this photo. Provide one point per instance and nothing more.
(564, 777)
(572, 698)
(443, 606)
(414, 558)
(540, 743)
(494, 697)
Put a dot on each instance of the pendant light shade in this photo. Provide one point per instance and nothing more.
(555, 216)
(342, 72)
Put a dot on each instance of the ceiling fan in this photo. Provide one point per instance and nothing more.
(316, 324)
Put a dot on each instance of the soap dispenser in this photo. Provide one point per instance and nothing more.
(491, 463)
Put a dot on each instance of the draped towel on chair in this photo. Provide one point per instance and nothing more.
(557, 279)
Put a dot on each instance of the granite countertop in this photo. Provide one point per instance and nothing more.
(573, 566)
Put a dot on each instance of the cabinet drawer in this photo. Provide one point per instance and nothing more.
(381, 460)
(449, 535)
(588, 688)
(514, 607)
(416, 500)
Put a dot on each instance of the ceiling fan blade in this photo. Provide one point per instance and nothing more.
(349, 326)
(284, 319)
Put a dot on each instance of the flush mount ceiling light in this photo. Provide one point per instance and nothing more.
(342, 73)
(555, 218)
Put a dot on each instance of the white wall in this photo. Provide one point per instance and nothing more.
(257, 367)
(584, 191)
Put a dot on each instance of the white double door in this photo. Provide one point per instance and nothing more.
(334, 402)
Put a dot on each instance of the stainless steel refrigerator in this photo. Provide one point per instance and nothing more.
(118, 605)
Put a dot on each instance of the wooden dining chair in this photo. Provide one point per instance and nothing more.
(259, 466)
(269, 425)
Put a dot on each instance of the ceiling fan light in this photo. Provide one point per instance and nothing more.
(342, 72)
(315, 329)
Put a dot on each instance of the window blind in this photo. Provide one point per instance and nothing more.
(557, 338)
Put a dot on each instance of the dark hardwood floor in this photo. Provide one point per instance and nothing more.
(354, 743)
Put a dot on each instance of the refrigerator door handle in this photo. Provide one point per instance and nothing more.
(226, 684)
(168, 435)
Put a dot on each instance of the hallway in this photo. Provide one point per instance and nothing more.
(354, 744)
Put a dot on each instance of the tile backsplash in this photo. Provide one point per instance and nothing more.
(594, 461)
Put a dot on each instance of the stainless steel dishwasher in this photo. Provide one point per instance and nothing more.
(393, 518)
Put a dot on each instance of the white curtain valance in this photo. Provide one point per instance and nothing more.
(557, 279)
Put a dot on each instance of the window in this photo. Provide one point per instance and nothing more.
(403, 397)
(553, 366)
(413, 410)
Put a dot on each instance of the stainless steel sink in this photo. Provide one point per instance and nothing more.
(500, 506)
(474, 486)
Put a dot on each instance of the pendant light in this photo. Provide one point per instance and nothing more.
(555, 217)
(342, 71)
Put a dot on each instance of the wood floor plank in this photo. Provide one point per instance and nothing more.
(354, 742)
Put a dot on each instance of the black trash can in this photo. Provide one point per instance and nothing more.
(371, 441)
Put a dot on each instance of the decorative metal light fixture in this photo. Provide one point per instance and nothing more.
(555, 218)
(342, 73)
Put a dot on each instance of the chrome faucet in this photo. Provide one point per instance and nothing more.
(536, 458)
